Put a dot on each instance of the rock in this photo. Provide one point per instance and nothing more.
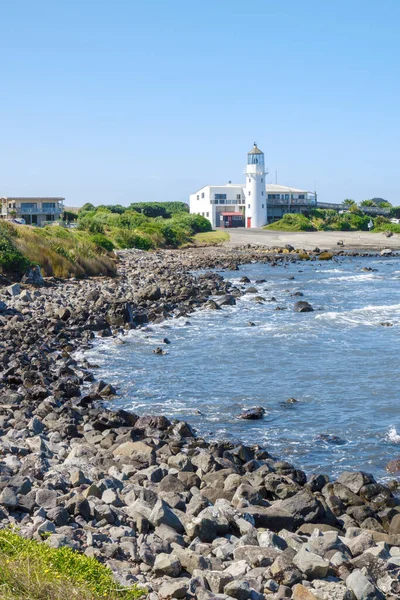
(325, 256)
(33, 276)
(13, 290)
(163, 515)
(355, 480)
(386, 252)
(227, 300)
(173, 589)
(285, 572)
(312, 565)
(252, 414)
(394, 527)
(8, 498)
(362, 587)
(238, 589)
(303, 306)
(302, 593)
(139, 452)
(393, 466)
(167, 564)
(217, 580)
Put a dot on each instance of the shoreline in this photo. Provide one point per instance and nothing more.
(163, 508)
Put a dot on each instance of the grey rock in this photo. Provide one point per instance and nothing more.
(362, 587)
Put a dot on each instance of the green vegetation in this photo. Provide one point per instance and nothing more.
(328, 220)
(31, 570)
(87, 250)
(292, 222)
(211, 238)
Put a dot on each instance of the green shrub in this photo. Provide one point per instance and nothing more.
(91, 224)
(11, 259)
(292, 222)
(102, 241)
(130, 239)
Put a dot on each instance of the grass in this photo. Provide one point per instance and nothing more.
(210, 238)
(31, 570)
(292, 222)
(60, 252)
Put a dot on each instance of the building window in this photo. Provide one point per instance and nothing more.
(249, 193)
(301, 197)
(262, 193)
(202, 214)
(198, 197)
(262, 180)
(248, 206)
(207, 214)
(249, 180)
(262, 205)
(48, 205)
(238, 196)
(220, 196)
(202, 194)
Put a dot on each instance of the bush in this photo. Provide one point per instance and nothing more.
(102, 241)
(91, 224)
(292, 222)
(12, 261)
(130, 239)
(195, 223)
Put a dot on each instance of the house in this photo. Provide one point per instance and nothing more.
(34, 211)
(252, 204)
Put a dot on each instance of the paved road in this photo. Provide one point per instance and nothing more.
(309, 240)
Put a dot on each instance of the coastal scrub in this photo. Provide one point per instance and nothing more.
(32, 570)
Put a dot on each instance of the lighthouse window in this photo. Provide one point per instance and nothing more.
(249, 193)
(262, 205)
(262, 180)
(249, 180)
(248, 206)
(262, 193)
(198, 197)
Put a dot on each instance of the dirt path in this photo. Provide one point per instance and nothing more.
(359, 240)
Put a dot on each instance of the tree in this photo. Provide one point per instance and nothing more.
(349, 202)
(87, 206)
(367, 203)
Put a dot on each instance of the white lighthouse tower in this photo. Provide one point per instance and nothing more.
(256, 201)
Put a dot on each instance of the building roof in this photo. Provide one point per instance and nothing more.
(281, 189)
(54, 198)
(255, 150)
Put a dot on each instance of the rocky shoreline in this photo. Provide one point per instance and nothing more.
(178, 516)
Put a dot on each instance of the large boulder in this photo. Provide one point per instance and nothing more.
(303, 306)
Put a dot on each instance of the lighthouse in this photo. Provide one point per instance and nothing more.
(256, 201)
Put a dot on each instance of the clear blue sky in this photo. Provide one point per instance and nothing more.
(120, 101)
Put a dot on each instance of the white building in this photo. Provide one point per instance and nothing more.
(252, 204)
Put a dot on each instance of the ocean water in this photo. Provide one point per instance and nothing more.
(338, 362)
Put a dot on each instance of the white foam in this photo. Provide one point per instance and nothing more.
(392, 435)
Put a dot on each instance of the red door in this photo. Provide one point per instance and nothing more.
(248, 221)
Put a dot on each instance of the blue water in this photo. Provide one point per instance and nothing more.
(338, 362)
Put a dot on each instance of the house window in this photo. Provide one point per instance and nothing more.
(248, 206)
(202, 194)
(220, 196)
(46, 205)
(301, 196)
(198, 197)
(207, 214)
(202, 214)
(249, 193)
(237, 196)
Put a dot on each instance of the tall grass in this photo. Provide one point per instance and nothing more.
(61, 253)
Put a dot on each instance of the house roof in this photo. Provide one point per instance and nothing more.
(273, 187)
(231, 214)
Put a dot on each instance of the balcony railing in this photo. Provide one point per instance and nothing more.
(292, 202)
(39, 210)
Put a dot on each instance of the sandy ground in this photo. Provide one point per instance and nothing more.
(359, 240)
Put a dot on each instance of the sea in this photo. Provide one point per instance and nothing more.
(338, 365)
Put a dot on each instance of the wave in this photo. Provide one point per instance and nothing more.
(392, 435)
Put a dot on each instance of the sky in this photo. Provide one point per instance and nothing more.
(125, 101)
